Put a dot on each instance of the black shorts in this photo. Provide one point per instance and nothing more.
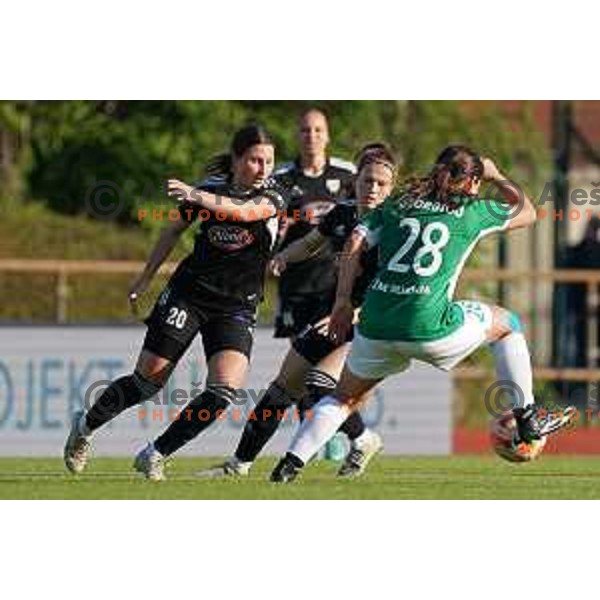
(313, 344)
(176, 320)
(295, 314)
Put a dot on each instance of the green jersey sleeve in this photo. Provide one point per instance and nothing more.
(492, 214)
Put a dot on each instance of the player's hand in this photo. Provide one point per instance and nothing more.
(180, 191)
(277, 265)
(491, 171)
(138, 287)
(340, 321)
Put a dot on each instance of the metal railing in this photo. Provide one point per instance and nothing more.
(63, 269)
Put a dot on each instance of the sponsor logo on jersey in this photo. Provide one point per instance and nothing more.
(314, 211)
(333, 185)
(230, 238)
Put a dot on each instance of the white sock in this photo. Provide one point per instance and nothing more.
(513, 363)
(329, 414)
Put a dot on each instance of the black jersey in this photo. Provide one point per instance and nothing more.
(337, 226)
(230, 256)
(313, 198)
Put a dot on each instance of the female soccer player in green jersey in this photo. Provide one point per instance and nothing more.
(424, 238)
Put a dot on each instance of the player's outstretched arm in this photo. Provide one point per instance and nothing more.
(298, 251)
(166, 242)
(343, 310)
(512, 194)
(260, 208)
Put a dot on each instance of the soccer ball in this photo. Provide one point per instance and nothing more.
(502, 432)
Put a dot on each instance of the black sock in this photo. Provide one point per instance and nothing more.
(197, 416)
(319, 384)
(308, 402)
(269, 413)
(119, 396)
(353, 426)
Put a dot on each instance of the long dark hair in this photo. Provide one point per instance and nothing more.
(244, 138)
(453, 167)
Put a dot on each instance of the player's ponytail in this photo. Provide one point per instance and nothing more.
(454, 167)
(244, 138)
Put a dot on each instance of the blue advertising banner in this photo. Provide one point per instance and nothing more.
(47, 373)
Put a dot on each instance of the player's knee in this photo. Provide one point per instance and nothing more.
(146, 387)
(515, 322)
(511, 321)
(157, 371)
(508, 321)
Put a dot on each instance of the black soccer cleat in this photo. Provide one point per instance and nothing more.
(531, 426)
(528, 425)
(287, 469)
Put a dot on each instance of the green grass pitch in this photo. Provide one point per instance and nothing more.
(388, 478)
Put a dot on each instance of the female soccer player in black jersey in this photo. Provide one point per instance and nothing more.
(314, 362)
(214, 292)
(316, 181)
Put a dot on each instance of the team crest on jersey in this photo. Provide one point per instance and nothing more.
(333, 186)
(230, 238)
(297, 192)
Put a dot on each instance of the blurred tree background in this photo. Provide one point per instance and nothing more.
(54, 156)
